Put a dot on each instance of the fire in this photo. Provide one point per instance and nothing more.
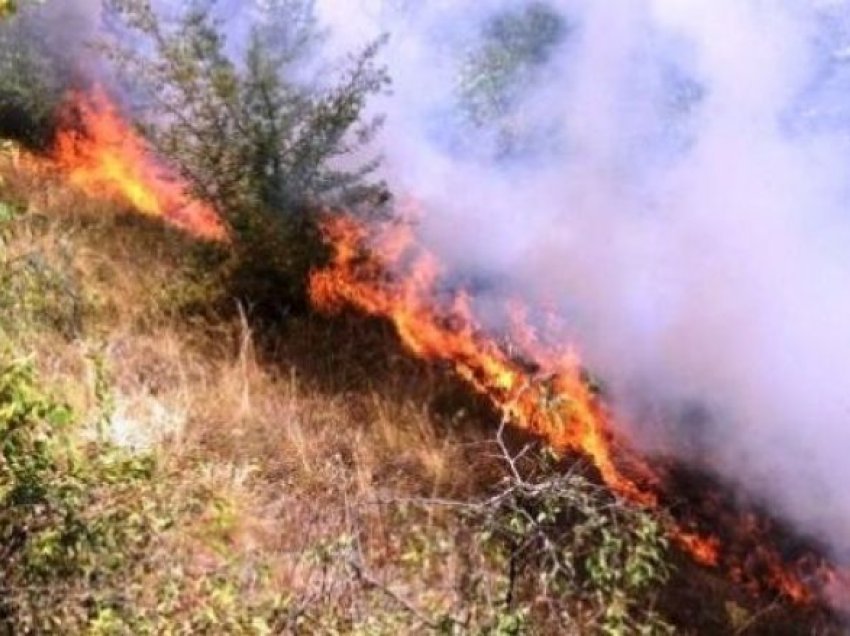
(704, 550)
(104, 157)
(382, 271)
(555, 403)
(540, 388)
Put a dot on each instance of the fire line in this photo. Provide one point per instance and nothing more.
(381, 271)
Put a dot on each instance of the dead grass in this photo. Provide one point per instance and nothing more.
(312, 438)
(319, 433)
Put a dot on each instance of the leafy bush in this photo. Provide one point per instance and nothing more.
(245, 126)
(546, 551)
(569, 538)
(496, 76)
(87, 534)
(32, 77)
(62, 532)
(36, 288)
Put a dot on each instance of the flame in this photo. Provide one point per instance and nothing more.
(105, 158)
(704, 550)
(537, 387)
(556, 404)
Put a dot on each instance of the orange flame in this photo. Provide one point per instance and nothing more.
(383, 273)
(557, 404)
(105, 158)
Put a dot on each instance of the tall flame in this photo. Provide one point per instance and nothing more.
(103, 156)
(540, 388)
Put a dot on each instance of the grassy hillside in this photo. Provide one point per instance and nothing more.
(175, 461)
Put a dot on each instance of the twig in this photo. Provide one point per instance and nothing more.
(371, 581)
(751, 621)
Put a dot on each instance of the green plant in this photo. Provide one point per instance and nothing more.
(87, 531)
(496, 75)
(249, 132)
(253, 134)
(37, 288)
(562, 533)
(72, 516)
(32, 77)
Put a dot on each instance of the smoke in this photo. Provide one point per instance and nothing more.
(673, 177)
(64, 28)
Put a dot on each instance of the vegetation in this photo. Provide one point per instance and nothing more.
(170, 475)
(37, 287)
(497, 73)
(173, 462)
(88, 532)
(32, 78)
(252, 132)
(249, 130)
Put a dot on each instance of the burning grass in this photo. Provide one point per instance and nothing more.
(351, 474)
(104, 157)
(543, 389)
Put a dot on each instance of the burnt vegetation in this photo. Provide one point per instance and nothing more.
(186, 448)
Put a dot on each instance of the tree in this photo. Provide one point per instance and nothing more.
(514, 46)
(32, 78)
(250, 132)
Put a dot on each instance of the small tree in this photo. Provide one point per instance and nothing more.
(515, 44)
(250, 131)
(244, 126)
(32, 78)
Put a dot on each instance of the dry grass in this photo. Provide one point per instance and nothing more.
(313, 438)
(320, 434)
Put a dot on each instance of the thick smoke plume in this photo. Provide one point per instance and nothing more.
(671, 176)
(678, 191)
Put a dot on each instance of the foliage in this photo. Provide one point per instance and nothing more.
(548, 550)
(249, 131)
(567, 536)
(36, 287)
(87, 534)
(496, 75)
(259, 516)
(32, 77)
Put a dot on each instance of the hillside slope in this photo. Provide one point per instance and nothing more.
(213, 468)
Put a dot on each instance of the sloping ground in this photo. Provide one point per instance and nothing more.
(304, 476)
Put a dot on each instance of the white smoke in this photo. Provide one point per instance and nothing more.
(689, 213)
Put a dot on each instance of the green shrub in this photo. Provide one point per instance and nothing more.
(37, 288)
(249, 131)
(62, 532)
(87, 532)
(32, 77)
(602, 562)
(496, 76)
